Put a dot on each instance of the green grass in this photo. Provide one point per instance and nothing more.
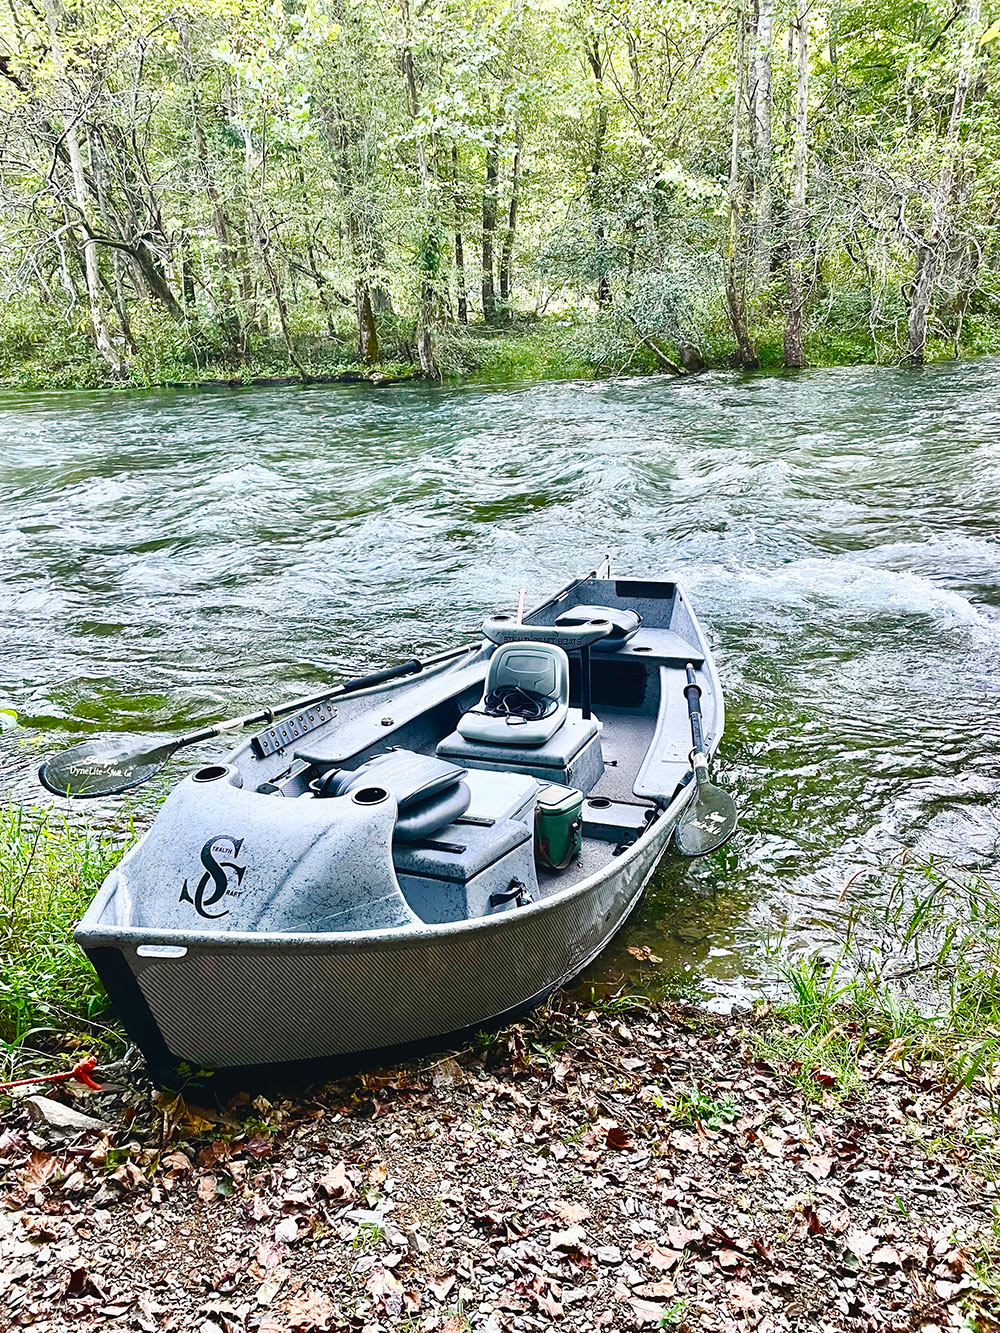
(916, 982)
(49, 871)
(696, 1108)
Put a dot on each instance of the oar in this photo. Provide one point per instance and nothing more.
(710, 816)
(113, 764)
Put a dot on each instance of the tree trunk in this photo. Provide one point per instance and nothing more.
(762, 144)
(264, 249)
(932, 244)
(794, 355)
(425, 316)
(368, 348)
(224, 303)
(489, 227)
(462, 294)
(102, 337)
(745, 356)
(596, 168)
(507, 253)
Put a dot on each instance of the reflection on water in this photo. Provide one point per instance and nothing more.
(171, 557)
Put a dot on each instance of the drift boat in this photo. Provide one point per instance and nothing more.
(434, 851)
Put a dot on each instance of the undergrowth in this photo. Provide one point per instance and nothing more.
(50, 869)
(916, 982)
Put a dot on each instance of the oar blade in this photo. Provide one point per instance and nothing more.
(708, 820)
(106, 766)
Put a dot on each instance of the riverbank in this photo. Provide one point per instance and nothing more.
(611, 1162)
(612, 1167)
(525, 349)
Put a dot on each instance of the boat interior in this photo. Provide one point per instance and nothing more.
(516, 768)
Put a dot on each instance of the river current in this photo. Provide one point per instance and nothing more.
(168, 558)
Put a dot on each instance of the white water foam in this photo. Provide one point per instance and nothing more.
(856, 590)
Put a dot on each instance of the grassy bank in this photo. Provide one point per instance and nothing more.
(40, 351)
(50, 999)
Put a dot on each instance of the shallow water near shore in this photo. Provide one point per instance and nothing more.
(170, 558)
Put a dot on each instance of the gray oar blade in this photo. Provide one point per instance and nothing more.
(106, 766)
(708, 820)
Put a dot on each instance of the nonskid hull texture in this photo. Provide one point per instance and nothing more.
(230, 1003)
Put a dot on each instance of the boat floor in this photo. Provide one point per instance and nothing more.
(624, 741)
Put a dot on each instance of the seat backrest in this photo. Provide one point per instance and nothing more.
(542, 667)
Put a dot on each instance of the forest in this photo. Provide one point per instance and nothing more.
(313, 188)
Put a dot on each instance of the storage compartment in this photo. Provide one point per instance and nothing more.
(619, 822)
(455, 874)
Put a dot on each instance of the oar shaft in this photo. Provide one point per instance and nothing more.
(307, 701)
(692, 693)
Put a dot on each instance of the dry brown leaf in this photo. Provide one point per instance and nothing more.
(861, 1243)
(654, 1291)
(336, 1185)
(386, 1291)
(309, 1312)
(208, 1188)
(440, 1287)
(679, 1236)
(886, 1256)
(646, 1312)
(742, 1297)
(272, 1284)
(571, 1212)
(665, 1259)
(40, 1168)
(818, 1167)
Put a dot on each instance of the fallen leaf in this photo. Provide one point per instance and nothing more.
(679, 1236)
(652, 1291)
(386, 1291)
(618, 1138)
(818, 1167)
(39, 1169)
(336, 1185)
(570, 1239)
(272, 1284)
(571, 1212)
(886, 1256)
(861, 1243)
(742, 1297)
(310, 1311)
(646, 1312)
(664, 1259)
(440, 1287)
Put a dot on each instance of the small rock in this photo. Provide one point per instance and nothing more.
(62, 1118)
(608, 1254)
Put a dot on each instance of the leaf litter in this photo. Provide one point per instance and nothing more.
(584, 1170)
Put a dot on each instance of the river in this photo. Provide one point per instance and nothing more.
(171, 557)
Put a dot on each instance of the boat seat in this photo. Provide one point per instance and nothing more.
(542, 668)
(500, 796)
(571, 756)
(624, 624)
(429, 792)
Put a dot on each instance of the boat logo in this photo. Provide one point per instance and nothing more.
(216, 874)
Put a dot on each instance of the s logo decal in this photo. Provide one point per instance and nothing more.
(216, 875)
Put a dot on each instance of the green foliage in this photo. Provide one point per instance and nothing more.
(917, 978)
(50, 869)
(250, 173)
(696, 1108)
